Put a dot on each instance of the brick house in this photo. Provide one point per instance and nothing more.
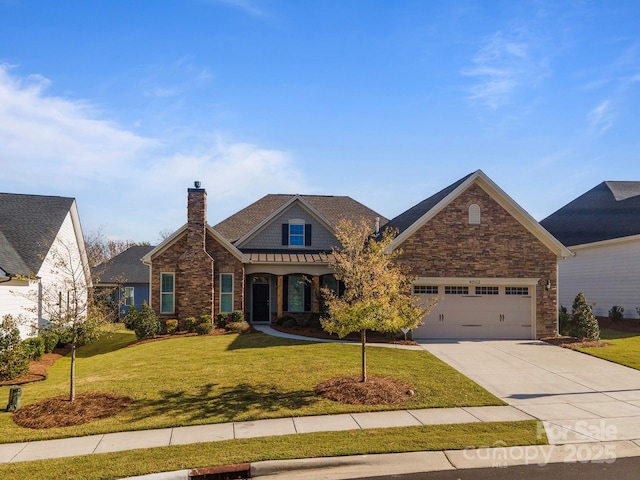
(493, 266)
(269, 259)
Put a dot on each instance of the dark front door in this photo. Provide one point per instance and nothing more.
(260, 306)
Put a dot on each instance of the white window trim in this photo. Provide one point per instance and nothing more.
(474, 214)
(227, 293)
(297, 221)
(133, 301)
(173, 292)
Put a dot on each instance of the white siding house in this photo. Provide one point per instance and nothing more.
(602, 229)
(607, 273)
(33, 230)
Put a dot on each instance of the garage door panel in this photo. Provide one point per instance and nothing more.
(478, 316)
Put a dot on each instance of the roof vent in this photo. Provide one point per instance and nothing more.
(196, 184)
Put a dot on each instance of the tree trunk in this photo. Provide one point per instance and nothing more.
(363, 336)
(72, 382)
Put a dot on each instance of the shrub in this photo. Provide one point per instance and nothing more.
(221, 320)
(65, 336)
(206, 319)
(314, 320)
(238, 327)
(14, 360)
(290, 323)
(288, 319)
(190, 324)
(204, 328)
(638, 311)
(236, 316)
(616, 313)
(50, 339)
(147, 324)
(565, 325)
(171, 326)
(34, 348)
(586, 325)
(130, 318)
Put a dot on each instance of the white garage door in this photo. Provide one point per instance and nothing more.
(477, 312)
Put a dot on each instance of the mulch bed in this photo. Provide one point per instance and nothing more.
(372, 337)
(375, 391)
(60, 412)
(38, 369)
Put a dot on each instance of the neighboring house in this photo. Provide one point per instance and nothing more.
(268, 260)
(32, 229)
(124, 278)
(602, 229)
(492, 265)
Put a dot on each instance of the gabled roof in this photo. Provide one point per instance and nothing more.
(28, 226)
(175, 236)
(328, 208)
(410, 221)
(609, 211)
(126, 267)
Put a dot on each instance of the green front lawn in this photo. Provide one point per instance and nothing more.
(211, 379)
(624, 348)
(357, 442)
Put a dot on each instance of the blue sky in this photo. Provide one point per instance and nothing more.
(123, 104)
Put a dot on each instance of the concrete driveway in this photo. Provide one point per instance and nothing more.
(579, 398)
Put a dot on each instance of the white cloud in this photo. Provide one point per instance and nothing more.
(248, 6)
(504, 64)
(51, 138)
(601, 118)
(123, 182)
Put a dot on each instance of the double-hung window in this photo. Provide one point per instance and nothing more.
(167, 293)
(296, 234)
(226, 292)
(128, 296)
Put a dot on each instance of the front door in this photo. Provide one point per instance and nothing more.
(260, 305)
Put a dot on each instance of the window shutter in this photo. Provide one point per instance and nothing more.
(285, 293)
(285, 234)
(307, 297)
(307, 235)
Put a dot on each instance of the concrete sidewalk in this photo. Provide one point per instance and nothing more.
(115, 442)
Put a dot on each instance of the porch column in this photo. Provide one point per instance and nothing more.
(280, 294)
(316, 294)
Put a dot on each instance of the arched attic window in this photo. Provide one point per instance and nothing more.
(474, 214)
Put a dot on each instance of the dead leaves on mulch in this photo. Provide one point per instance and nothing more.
(60, 412)
(375, 391)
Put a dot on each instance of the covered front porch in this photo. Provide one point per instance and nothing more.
(286, 285)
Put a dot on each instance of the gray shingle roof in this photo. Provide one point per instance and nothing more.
(28, 226)
(126, 267)
(333, 208)
(411, 216)
(608, 211)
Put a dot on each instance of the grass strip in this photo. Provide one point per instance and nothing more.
(624, 348)
(218, 379)
(310, 445)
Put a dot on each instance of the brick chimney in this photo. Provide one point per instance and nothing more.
(196, 215)
(195, 293)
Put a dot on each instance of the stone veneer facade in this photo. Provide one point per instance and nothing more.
(500, 247)
(197, 259)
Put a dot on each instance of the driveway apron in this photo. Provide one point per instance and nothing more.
(579, 398)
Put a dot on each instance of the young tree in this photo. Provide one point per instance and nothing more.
(377, 289)
(585, 324)
(67, 302)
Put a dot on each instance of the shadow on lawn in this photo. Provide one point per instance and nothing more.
(226, 403)
(110, 342)
(261, 340)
